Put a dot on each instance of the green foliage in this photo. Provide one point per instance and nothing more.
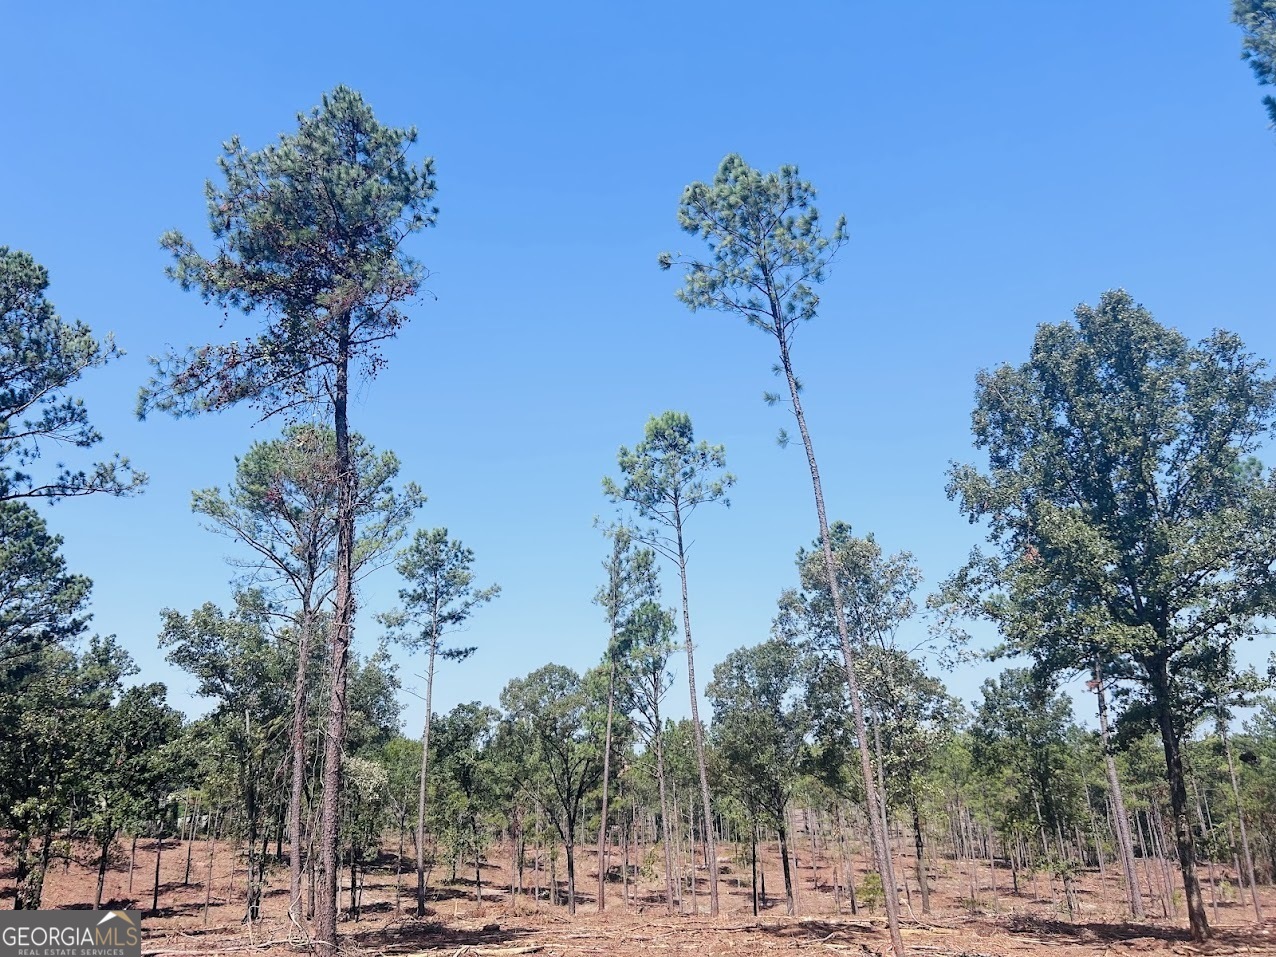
(440, 595)
(238, 665)
(648, 643)
(760, 725)
(1131, 527)
(140, 763)
(1021, 739)
(1127, 524)
(374, 704)
(1257, 20)
(666, 477)
(282, 505)
(40, 602)
(631, 584)
(41, 356)
(870, 893)
(553, 723)
(56, 754)
(467, 783)
(309, 231)
(767, 250)
(877, 591)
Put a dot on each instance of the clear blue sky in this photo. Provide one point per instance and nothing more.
(998, 163)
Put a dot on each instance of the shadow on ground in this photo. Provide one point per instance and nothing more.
(1064, 932)
(413, 936)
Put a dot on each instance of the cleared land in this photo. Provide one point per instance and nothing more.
(997, 922)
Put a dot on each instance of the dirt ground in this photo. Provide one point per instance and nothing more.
(996, 922)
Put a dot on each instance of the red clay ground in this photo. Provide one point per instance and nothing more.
(1030, 923)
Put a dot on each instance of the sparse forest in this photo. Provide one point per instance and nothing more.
(1112, 784)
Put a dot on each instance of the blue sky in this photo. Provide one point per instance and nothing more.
(998, 163)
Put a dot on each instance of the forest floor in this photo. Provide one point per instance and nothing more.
(997, 921)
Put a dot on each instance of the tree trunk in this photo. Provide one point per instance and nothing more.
(159, 849)
(425, 773)
(697, 730)
(602, 827)
(877, 825)
(569, 847)
(208, 879)
(132, 863)
(297, 745)
(343, 617)
(753, 847)
(1240, 817)
(190, 842)
(1121, 820)
(919, 845)
(790, 906)
(664, 813)
(1183, 838)
(101, 872)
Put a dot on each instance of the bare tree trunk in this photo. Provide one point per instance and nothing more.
(190, 843)
(208, 881)
(664, 814)
(790, 905)
(343, 618)
(697, 730)
(1120, 819)
(602, 826)
(753, 847)
(132, 862)
(877, 824)
(159, 848)
(919, 845)
(1178, 801)
(425, 772)
(297, 744)
(101, 872)
(1240, 817)
(569, 847)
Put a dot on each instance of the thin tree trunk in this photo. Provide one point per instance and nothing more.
(425, 773)
(343, 618)
(132, 862)
(877, 824)
(190, 842)
(664, 813)
(159, 848)
(101, 872)
(919, 845)
(697, 730)
(753, 842)
(398, 861)
(208, 880)
(297, 745)
(569, 847)
(1240, 817)
(1121, 819)
(602, 826)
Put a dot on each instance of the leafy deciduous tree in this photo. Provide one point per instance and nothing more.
(1129, 522)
